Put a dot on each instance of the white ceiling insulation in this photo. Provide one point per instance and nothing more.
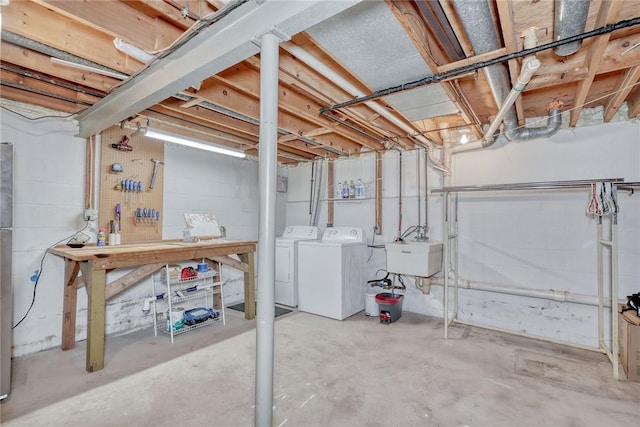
(348, 37)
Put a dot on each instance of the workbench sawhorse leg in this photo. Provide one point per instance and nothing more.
(249, 286)
(95, 283)
(69, 304)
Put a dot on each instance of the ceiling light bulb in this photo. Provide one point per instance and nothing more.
(193, 143)
(464, 139)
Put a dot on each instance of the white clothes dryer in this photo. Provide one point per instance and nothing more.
(332, 273)
(287, 262)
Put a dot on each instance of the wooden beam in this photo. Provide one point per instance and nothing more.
(624, 87)
(228, 261)
(130, 279)
(471, 60)
(247, 80)
(606, 15)
(208, 118)
(32, 60)
(118, 19)
(413, 30)
(505, 12)
(633, 102)
(299, 77)
(42, 100)
(46, 26)
(236, 100)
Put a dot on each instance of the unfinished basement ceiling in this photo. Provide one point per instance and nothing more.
(382, 62)
(369, 45)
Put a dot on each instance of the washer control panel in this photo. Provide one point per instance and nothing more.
(344, 233)
(301, 232)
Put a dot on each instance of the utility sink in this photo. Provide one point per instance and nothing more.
(413, 258)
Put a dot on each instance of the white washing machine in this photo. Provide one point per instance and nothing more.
(332, 273)
(287, 262)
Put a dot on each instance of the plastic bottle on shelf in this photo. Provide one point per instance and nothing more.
(352, 190)
(360, 189)
(345, 190)
(338, 194)
(102, 238)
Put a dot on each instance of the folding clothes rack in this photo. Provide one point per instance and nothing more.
(450, 261)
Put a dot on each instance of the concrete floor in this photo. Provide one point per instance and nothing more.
(328, 373)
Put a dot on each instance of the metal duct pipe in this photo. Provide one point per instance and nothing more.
(570, 20)
(478, 23)
(525, 134)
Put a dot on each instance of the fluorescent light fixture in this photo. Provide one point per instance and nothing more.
(193, 143)
(132, 51)
(89, 68)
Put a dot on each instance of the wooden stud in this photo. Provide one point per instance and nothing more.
(607, 14)
(379, 191)
(634, 103)
(331, 191)
(624, 87)
(505, 11)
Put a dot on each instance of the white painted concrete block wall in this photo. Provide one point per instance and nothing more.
(197, 181)
(361, 213)
(49, 198)
(545, 240)
(48, 201)
(536, 240)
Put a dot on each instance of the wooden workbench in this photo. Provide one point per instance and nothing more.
(93, 262)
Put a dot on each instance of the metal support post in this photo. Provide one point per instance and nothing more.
(456, 274)
(601, 342)
(267, 224)
(445, 269)
(614, 295)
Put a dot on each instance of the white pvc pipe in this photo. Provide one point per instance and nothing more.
(549, 294)
(326, 71)
(267, 225)
(529, 67)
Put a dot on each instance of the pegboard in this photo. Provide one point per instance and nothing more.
(137, 166)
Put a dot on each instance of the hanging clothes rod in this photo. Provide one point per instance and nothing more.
(549, 185)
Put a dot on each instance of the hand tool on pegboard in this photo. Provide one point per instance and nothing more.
(123, 145)
(155, 171)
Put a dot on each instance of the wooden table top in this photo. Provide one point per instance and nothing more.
(133, 254)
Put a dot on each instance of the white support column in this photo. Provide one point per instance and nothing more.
(445, 269)
(615, 344)
(267, 225)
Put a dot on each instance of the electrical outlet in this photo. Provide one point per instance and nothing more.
(90, 214)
